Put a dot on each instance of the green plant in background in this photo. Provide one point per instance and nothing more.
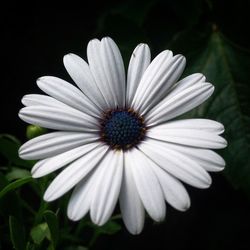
(30, 223)
(35, 226)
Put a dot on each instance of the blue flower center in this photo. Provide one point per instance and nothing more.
(122, 129)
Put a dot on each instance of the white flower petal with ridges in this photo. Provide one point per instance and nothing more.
(174, 191)
(206, 158)
(178, 165)
(147, 184)
(49, 165)
(114, 70)
(139, 61)
(185, 83)
(79, 71)
(160, 75)
(180, 103)
(189, 137)
(74, 173)
(68, 94)
(193, 124)
(53, 143)
(107, 190)
(67, 119)
(99, 74)
(132, 209)
(82, 195)
(42, 100)
(159, 64)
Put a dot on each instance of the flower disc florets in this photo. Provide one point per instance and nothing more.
(122, 128)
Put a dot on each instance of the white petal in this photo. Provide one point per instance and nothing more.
(54, 143)
(147, 184)
(50, 102)
(177, 164)
(163, 59)
(107, 189)
(42, 100)
(139, 61)
(206, 158)
(158, 78)
(189, 137)
(114, 70)
(132, 209)
(80, 200)
(99, 74)
(79, 71)
(186, 83)
(74, 173)
(67, 119)
(180, 103)
(49, 165)
(47, 101)
(68, 94)
(174, 191)
(193, 124)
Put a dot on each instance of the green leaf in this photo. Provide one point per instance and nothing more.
(17, 173)
(52, 222)
(111, 227)
(9, 204)
(14, 185)
(39, 233)
(9, 146)
(30, 246)
(11, 138)
(227, 67)
(16, 234)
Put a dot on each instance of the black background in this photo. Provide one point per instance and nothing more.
(36, 37)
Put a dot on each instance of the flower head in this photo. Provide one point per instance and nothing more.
(116, 139)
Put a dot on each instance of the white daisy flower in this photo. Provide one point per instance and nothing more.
(117, 138)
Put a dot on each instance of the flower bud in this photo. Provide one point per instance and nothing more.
(33, 131)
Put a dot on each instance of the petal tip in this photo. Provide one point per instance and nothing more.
(23, 100)
(107, 38)
(142, 46)
(225, 143)
(21, 153)
(185, 206)
(48, 195)
(134, 231)
(181, 57)
(67, 57)
(72, 215)
(212, 87)
(92, 42)
(35, 173)
(206, 184)
(98, 221)
(21, 114)
(40, 79)
(168, 53)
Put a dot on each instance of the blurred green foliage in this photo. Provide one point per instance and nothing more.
(187, 27)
